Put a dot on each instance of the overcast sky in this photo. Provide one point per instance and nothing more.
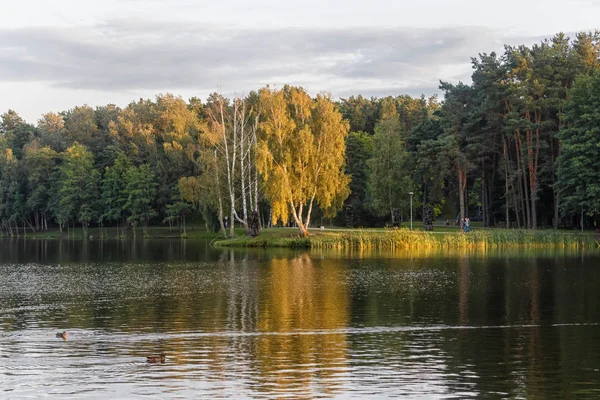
(61, 53)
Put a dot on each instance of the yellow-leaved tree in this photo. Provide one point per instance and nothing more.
(301, 153)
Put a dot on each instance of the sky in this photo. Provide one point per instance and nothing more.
(57, 54)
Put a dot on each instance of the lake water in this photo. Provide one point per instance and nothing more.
(279, 323)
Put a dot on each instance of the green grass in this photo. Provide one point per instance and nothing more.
(404, 239)
(274, 237)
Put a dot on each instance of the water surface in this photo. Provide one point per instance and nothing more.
(280, 323)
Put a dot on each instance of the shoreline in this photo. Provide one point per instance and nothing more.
(347, 239)
(111, 234)
(406, 239)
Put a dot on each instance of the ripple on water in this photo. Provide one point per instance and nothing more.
(267, 327)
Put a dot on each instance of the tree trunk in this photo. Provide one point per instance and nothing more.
(462, 184)
(28, 222)
(505, 153)
(554, 189)
(520, 180)
(484, 193)
(532, 161)
(255, 173)
(297, 214)
(243, 153)
(219, 197)
(310, 207)
(556, 203)
(230, 167)
(533, 210)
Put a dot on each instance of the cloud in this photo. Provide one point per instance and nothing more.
(139, 55)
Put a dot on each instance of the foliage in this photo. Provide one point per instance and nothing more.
(140, 188)
(78, 189)
(359, 149)
(389, 172)
(579, 167)
(114, 194)
(301, 153)
(512, 148)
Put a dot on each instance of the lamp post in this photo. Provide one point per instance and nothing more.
(411, 195)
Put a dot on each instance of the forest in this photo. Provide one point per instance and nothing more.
(518, 147)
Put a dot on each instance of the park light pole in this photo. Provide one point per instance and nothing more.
(411, 195)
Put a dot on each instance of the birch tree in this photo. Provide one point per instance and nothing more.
(301, 151)
(232, 137)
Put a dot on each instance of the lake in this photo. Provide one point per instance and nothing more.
(298, 324)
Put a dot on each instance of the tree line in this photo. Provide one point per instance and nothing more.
(518, 147)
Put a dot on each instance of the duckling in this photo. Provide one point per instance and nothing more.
(62, 335)
(156, 359)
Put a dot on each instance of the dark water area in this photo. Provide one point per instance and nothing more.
(297, 324)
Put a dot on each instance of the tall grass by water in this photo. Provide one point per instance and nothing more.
(406, 239)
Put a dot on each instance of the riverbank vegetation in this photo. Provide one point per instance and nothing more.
(517, 148)
(391, 239)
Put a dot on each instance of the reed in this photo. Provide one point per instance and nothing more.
(404, 239)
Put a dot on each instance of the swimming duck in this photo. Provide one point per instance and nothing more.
(156, 359)
(62, 335)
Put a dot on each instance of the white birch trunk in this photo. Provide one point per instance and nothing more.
(255, 143)
(220, 199)
(230, 166)
(243, 166)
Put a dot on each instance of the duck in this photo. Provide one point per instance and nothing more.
(156, 359)
(62, 335)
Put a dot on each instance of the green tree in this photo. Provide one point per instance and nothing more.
(578, 167)
(389, 172)
(9, 121)
(11, 200)
(78, 186)
(429, 173)
(51, 129)
(114, 195)
(140, 188)
(454, 118)
(361, 113)
(177, 212)
(39, 165)
(359, 149)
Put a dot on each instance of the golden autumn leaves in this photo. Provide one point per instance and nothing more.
(301, 152)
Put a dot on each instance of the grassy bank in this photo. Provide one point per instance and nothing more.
(405, 239)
